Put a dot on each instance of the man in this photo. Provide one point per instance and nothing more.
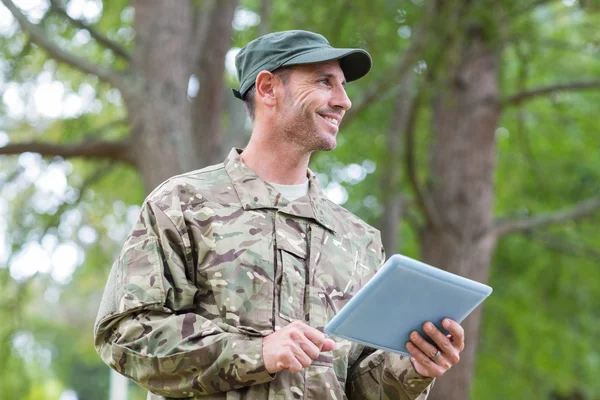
(230, 274)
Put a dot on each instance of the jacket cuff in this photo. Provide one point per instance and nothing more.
(250, 366)
(239, 365)
(398, 370)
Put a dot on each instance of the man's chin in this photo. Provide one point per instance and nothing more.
(320, 141)
(327, 145)
(332, 146)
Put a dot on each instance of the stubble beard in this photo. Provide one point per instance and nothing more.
(304, 132)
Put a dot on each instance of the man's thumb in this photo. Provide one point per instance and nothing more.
(328, 345)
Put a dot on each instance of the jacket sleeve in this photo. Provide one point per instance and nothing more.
(148, 327)
(379, 374)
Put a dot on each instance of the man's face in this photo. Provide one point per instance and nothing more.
(313, 107)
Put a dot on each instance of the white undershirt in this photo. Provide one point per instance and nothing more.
(292, 192)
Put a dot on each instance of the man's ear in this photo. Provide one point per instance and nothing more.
(266, 84)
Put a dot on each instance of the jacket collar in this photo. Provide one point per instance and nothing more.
(254, 193)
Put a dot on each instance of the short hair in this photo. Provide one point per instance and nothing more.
(282, 73)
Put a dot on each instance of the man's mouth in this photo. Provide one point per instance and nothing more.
(330, 119)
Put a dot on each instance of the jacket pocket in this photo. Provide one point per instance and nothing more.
(293, 286)
(139, 274)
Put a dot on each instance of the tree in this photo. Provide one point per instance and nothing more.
(449, 93)
(173, 41)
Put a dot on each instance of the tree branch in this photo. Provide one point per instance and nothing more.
(518, 98)
(577, 211)
(38, 36)
(422, 197)
(558, 45)
(100, 38)
(560, 245)
(116, 151)
(21, 58)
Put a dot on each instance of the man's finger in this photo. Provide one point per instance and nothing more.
(457, 332)
(294, 365)
(309, 348)
(288, 361)
(315, 336)
(304, 359)
(431, 369)
(442, 342)
(427, 348)
(298, 355)
(328, 345)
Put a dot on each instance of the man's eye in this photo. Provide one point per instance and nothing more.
(325, 81)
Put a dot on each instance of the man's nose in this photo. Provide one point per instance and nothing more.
(340, 99)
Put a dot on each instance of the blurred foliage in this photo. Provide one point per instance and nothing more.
(540, 327)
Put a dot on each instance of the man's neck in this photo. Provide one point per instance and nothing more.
(280, 163)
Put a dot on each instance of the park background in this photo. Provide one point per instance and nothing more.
(473, 144)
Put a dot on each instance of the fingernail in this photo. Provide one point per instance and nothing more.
(415, 335)
(429, 326)
(446, 323)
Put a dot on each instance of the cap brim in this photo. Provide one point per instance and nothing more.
(355, 63)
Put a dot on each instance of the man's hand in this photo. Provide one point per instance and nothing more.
(293, 347)
(449, 346)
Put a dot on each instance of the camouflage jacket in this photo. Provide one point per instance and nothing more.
(217, 260)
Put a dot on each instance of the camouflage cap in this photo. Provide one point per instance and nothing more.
(282, 49)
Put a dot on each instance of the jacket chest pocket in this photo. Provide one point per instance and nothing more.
(293, 286)
(291, 272)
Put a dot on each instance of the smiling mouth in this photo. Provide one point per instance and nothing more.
(333, 121)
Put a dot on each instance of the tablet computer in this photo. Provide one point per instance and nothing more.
(399, 299)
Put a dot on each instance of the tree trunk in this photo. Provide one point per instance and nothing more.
(170, 134)
(391, 178)
(466, 112)
(208, 105)
(158, 109)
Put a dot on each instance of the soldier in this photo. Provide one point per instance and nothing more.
(231, 272)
